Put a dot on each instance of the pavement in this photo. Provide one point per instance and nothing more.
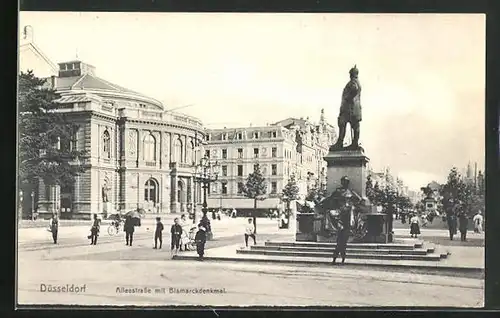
(114, 274)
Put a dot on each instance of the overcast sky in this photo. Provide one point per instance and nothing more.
(423, 76)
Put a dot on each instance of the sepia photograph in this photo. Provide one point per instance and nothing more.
(250, 159)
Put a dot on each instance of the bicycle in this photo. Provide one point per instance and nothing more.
(114, 228)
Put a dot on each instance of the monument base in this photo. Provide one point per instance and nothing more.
(350, 163)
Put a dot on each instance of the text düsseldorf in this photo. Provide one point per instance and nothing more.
(62, 288)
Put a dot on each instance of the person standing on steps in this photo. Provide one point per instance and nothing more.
(176, 233)
(343, 233)
(94, 230)
(201, 239)
(184, 236)
(54, 227)
(478, 222)
(158, 232)
(128, 227)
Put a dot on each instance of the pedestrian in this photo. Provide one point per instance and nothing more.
(176, 232)
(54, 227)
(414, 226)
(158, 232)
(342, 238)
(424, 220)
(403, 218)
(218, 215)
(250, 232)
(233, 213)
(129, 228)
(94, 230)
(283, 221)
(463, 226)
(184, 236)
(452, 225)
(201, 239)
(478, 222)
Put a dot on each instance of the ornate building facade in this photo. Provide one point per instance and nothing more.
(291, 146)
(139, 155)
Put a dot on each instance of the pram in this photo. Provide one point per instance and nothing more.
(187, 239)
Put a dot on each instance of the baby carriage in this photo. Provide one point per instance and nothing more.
(188, 239)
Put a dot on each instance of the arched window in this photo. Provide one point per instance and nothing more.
(190, 152)
(178, 151)
(151, 191)
(106, 144)
(149, 148)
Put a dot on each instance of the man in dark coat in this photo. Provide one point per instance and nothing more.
(464, 222)
(54, 227)
(201, 239)
(350, 110)
(452, 225)
(343, 232)
(94, 230)
(158, 233)
(129, 230)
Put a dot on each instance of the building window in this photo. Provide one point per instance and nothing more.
(106, 144)
(256, 135)
(255, 167)
(240, 187)
(274, 134)
(240, 170)
(207, 153)
(274, 187)
(178, 151)
(224, 171)
(274, 152)
(274, 169)
(207, 137)
(149, 148)
(240, 153)
(239, 136)
(224, 136)
(151, 191)
(256, 152)
(224, 153)
(224, 188)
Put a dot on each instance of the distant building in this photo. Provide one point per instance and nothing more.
(291, 146)
(139, 155)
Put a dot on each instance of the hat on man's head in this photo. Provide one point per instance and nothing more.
(354, 71)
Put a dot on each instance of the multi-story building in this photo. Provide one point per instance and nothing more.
(291, 146)
(140, 156)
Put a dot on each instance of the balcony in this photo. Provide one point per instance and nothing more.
(151, 163)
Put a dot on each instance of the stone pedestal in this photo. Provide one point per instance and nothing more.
(350, 163)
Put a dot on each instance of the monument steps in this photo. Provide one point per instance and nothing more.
(350, 255)
(349, 250)
(400, 246)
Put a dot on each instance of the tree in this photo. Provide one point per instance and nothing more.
(46, 137)
(255, 188)
(290, 193)
(370, 191)
(315, 194)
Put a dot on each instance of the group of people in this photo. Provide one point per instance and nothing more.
(453, 227)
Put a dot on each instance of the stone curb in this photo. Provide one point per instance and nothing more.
(471, 270)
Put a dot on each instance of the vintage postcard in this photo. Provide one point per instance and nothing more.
(247, 159)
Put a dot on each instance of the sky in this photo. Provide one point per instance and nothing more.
(422, 75)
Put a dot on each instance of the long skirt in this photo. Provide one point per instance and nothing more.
(414, 229)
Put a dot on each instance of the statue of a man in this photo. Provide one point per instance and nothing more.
(350, 111)
(105, 190)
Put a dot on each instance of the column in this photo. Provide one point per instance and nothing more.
(173, 192)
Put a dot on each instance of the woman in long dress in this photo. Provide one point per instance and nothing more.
(184, 237)
(414, 226)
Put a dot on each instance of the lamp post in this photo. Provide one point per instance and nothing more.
(20, 207)
(206, 172)
(32, 206)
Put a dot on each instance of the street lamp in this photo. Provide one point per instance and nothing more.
(20, 207)
(206, 172)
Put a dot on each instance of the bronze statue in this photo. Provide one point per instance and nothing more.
(350, 112)
(342, 211)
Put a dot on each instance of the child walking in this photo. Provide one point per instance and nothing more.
(158, 232)
(176, 232)
(250, 232)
